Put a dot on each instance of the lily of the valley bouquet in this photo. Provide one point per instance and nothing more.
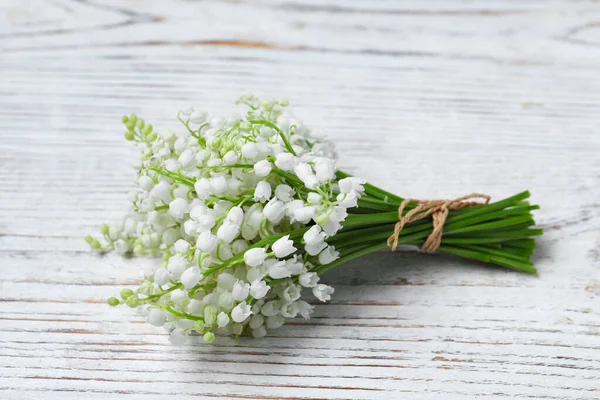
(249, 212)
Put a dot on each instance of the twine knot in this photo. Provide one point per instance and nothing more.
(438, 209)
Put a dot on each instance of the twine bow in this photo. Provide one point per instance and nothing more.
(438, 209)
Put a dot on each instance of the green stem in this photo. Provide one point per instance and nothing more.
(271, 125)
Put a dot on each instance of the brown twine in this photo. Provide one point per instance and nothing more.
(438, 209)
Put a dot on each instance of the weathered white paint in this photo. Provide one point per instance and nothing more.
(431, 99)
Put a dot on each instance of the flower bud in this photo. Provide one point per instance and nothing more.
(113, 302)
(209, 337)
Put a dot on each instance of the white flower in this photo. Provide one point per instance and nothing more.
(190, 277)
(267, 132)
(170, 236)
(222, 319)
(198, 210)
(314, 198)
(172, 165)
(262, 192)
(332, 224)
(304, 309)
(262, 168)
(218, 184)
(279, 271)
(254, 274)
(121, 246)
(306, 175)
(275, 321)
(284, 193)
(252, 221)
(181, 246)
(145, 182)
(347, 200)
(328, 255)
(314, 235)
(176, 265)
(315, 248)
(195, 307)
(255, 257)
(256, 321)
(187, 110)
(237, 329)
(283, 247)
(351, 184)
(198, 117)
(161, 192)
(250, 150)
(206, 242)
(187, 158)
(157, 317)
(285, 161)
(304, 214)
(226, 281)
(178, 208)
(178, 338)
(230, 157)
(270, 308)
(214, 162)
(323, 292)
(239, 246)
(274, 211)
(259, 289)
(224, 251)
(226, 301)
(291, 293)
(206, 221)
(222, 207)
(259, 332)
(235, 215)
(240, 312)
(324, 169)
(202, 188)
(292, 206)
(161, 276)
(309, 279)
(240, 291)
(178, 295)
(228, 231)
(289, 310)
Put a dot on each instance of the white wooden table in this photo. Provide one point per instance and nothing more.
(429, 99)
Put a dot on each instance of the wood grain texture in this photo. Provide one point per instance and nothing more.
(429, 99)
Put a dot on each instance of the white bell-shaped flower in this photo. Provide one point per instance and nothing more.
(161, 276)
(285, 161)
(262, 168)
(322, 292)
(157, 317)
(328, 255)
(308, 279)
(274, 211)
(262, 192)
(259, 289)
(255, 257)
(190, 277)
(241, 312)
(206, 242)
(240, 291)
(283, 247)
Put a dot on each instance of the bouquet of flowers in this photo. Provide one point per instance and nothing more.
(249, 212)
